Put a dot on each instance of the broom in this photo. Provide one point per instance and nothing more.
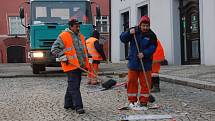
(151, 98)
(106, 84)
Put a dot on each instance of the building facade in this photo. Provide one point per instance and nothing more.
(103, 23)
(185, 28)
(13, 43)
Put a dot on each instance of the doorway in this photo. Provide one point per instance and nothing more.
(125, 20)
(16, 54)
(190, 31)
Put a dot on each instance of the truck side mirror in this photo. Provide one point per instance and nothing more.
(21, 13)
(98, 12)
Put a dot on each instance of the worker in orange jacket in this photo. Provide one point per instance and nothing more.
(158, 57)
(71, 50)
(95, 50)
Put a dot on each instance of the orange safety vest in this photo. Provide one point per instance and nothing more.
(158, 55)
(70, 52)
(92, 50)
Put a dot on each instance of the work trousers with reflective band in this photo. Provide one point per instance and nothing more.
(132, 89)
(94, 70)
(155, 69)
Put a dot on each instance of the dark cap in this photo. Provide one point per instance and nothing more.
(95, 34)
(73, 21)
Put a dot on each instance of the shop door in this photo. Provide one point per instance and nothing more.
(190, 32)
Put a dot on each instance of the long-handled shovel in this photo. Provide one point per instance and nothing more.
(151, 98)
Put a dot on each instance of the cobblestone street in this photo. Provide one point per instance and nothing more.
(41, 99)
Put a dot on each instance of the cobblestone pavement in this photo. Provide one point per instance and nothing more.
(41, 99)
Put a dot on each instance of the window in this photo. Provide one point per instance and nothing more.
(60, 11)
(15, 26)
(194, 23)
(102, 24)
(142, 11)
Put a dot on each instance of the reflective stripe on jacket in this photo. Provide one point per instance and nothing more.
(92, 50)
(70, 52)
(158, 55)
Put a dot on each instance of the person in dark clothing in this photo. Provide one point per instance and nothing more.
(97, 53)
(147, 42)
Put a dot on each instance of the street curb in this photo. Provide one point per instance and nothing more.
(188, 82)
(33, 75)
(185, 81)
(166, 78)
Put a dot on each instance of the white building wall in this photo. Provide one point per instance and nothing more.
(165, 23)
(160, 13)
(118, 7)
(207, 24)
(176, 32)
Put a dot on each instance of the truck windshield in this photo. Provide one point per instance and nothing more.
(60, 12)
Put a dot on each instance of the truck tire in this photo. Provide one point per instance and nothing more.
(36, 68)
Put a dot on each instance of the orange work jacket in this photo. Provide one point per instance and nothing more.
(158, 55)
(92, 50)
(70, 52)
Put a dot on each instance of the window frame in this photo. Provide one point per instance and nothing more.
(10, 32)
(101, 29)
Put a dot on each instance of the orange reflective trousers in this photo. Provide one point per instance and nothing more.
(94, 70)
(156, 69)
(132, 87)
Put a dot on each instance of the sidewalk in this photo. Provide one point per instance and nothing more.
(198, 76)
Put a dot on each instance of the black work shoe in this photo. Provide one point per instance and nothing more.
(69, 107)
(80, 111)
(143, 104)
(151, 98)
(155, 89)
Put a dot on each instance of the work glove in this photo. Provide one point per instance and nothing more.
(63, 58)
(90, 60)
(140, 55)
(132, 31)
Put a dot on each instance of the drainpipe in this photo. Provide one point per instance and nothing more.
(109, 43)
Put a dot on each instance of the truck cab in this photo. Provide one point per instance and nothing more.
(48, 18)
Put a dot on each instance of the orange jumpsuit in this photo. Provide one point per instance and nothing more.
(95, 56)
(158, 57)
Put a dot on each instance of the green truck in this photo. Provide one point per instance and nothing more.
(47, 19)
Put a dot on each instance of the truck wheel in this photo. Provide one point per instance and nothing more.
(42, 68)
(36, 69)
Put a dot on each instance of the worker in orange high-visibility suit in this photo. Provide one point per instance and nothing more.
(147, 42)
(95, 50)
(71, 50)
(158, 57)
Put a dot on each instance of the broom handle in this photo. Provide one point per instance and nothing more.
(96, 76)
(141, 61)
